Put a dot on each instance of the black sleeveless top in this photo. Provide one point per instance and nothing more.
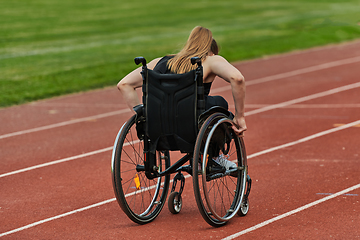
(161, 67)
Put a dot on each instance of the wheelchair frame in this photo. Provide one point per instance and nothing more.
(139, 174)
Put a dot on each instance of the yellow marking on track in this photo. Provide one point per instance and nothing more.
(137, 182)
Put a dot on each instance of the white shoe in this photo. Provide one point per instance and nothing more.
(223, 161)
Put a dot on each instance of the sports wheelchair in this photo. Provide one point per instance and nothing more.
(173, 118)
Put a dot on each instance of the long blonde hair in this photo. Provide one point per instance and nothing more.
(199, 44)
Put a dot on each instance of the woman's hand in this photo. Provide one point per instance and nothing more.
(239, 126)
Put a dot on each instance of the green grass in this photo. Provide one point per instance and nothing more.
(54, 47)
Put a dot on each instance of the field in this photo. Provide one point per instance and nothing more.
(54, 47)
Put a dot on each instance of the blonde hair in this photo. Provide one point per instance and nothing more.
(199, 44)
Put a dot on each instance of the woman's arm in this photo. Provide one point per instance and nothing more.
(130, 82)
(222, 68)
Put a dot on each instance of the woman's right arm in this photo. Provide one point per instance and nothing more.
(130, 82)
(128, 85)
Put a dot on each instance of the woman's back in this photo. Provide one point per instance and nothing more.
(200, 44)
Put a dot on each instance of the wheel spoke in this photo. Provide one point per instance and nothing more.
(140, 198)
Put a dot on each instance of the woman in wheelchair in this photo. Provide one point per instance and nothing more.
(223, 139)
(199, 44)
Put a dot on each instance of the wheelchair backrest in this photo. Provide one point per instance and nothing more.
(172, 103)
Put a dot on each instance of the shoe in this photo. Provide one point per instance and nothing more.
(223, 161)
(219, 167)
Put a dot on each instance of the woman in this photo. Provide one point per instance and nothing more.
(199, 44)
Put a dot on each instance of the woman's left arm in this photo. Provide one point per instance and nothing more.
(222, 68)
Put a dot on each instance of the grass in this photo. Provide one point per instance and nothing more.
(54, 47)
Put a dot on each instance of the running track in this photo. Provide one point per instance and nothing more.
(303, 117)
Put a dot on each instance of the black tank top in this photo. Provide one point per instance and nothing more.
(161, 67)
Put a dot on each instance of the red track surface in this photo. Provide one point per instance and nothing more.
(56, 200)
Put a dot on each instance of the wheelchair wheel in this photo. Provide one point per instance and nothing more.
(140, 198)
(174, 202)
(244, 207)
(219, 189)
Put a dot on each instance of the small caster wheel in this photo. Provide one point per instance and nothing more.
(174, 202)
(244, 207)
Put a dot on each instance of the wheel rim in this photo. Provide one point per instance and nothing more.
(223, 195)
(177, 203)
(244, 207)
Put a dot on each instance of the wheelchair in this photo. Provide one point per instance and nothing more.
(173, 118)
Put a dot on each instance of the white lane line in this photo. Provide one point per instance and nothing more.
(267, 222)
(303, 99)
(266, 108)
(251, 156)
(63, 160)
(44, 103)
(57, 217)
(345, 105)
(103, 115)
(294, 73)
(57, 161)
(305, 139)
(217, 90)
(307, 70)
(69, 213)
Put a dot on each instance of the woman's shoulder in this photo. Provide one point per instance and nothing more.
(215, 58)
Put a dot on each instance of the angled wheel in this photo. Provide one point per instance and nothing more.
(140, 198)
(219, 186)
(174, 202)
(244, 207)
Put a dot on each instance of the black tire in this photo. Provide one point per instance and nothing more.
(218, 195)
(139, 197)
(174, 202)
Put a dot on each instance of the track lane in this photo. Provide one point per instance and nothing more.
(290, 186)
(72, 174)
